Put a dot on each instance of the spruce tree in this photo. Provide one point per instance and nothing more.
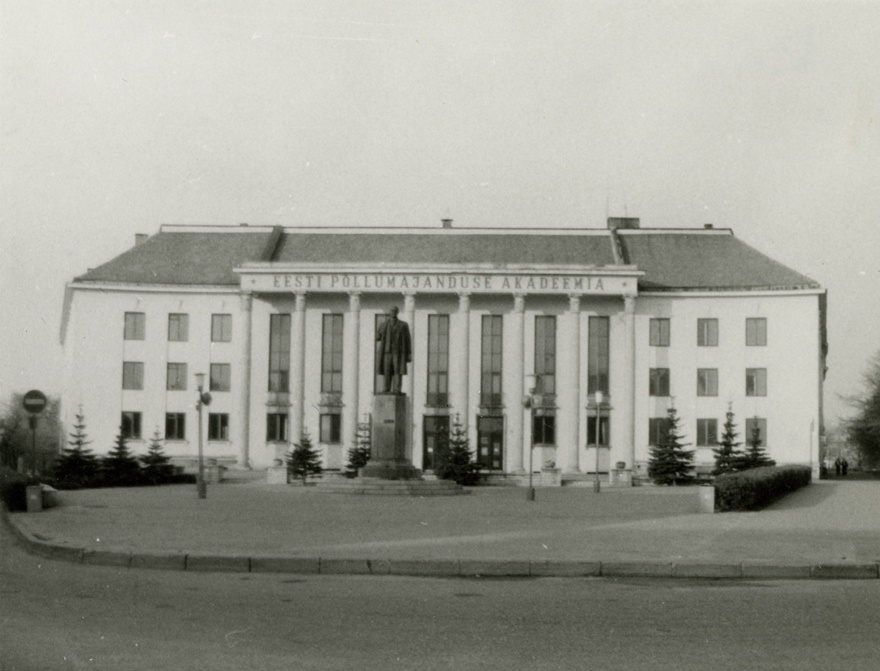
(455, 461)
(120, 468)
(728, 456)
(755, 455)
(359, 455)
(77, 466)
(670, 463)
(304, 459)
(157, 468)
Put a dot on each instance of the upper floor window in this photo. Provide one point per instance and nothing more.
(756, 332)
(707, 332)
(659, 336)
(756, 381)
(176, 378)
(490, 361)
(438, 360)
(658, 382)
(279, 352)
(545, 355)
(132, 375)
(707, 382)
(178, 327)
(331, 355)
(598, 357)
(221, 328)
(135, 325)
(220, 376)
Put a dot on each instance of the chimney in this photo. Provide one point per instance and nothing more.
(447, 223)
(708, 226)
(615, 223)
(139, 238)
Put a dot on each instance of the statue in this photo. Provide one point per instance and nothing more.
(395, 351)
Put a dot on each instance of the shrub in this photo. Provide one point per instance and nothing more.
(359, 455)
(455, 461)
(303, 460)
(759, 487)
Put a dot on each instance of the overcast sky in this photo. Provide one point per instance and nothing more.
(118, 116)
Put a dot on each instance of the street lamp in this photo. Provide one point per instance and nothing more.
(597, 486)
(528, 403)
(204, 399)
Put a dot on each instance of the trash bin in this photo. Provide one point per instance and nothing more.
(34, 497)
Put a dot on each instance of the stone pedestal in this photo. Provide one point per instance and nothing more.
(388, 452)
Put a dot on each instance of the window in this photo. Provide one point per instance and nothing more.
(221, 328)
(435, 439)
(597, 355)
(490, 442)
(276, 427)
(132, 375)
(490, 364)
(604, 427)
(378, 380)
(658, 384)
(176, 380)
(220, 375)
(135, 325)
(658, 427)
(545, 355)
(707, 332)
(330, 429)
(438, 360)
(756, 332)
(707, 382)
(543, 430)
(178, 328)
(175, 426)
(707, 432)
(760, 424)
(218, 426)
(279, 352)
(756, 381)
(331, 355)
(131, 425)
(659, 336)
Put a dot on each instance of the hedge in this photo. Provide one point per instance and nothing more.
(758, 487)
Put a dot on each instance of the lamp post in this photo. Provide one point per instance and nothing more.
(528, 404)
(204, 399)
(597, 485)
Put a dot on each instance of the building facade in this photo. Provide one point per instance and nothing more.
(514, 333)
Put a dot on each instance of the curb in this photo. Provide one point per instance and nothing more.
(440, 568)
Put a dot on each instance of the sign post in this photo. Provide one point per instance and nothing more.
(34, 403)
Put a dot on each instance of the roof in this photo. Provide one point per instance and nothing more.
(671, 259)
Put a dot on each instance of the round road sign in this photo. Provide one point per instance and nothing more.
(34, 401)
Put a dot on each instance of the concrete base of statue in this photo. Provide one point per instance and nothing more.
(388, 451)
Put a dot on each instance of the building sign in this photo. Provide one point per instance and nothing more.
(478, 283)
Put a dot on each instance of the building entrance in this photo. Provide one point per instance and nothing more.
(435, 437)
(490, 443)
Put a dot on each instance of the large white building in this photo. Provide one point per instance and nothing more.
(514, 332)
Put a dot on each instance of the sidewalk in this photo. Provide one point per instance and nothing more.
(828, 529)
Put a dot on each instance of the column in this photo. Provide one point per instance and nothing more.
(244, 382)
(567, 453)
(515, 409)
(627, 406)
(462, 387)
(297, 367)
(351, 369)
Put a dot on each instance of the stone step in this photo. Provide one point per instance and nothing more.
(392, 487)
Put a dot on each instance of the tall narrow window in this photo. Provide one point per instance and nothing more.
(756, 332)
(707, 432)
(604, 428)
(438, 360)
(135, 325)
(279, 353)
(218, 426)
(221, 374)
(176, 378)
(598, 355)
(378, 380)
(756, 381)
(707, 332)
(331, 355)
(330, 433)
(658, 382)
(175, 426)
(178, 327)
(132, 375)
(545, 355)
(276, 427)
(490, 366)
(659, 336)
(707, 382)
(544, 429)
(221, 328)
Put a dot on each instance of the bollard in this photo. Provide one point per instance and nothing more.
(34, 496)
(707, 498)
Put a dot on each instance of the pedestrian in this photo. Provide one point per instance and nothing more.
(837, 465)
(844, 467)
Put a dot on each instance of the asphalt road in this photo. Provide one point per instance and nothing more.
(56, 615)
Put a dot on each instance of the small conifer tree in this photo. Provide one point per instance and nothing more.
(157, 467)
(728, 456)
(304, 459)
(670, 463)
(77, 466)
(120, 468)
(755, 455)
(455, 461)
(359, 455)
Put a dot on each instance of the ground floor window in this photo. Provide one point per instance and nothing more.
(543, 429)
(707, 433)
(490, 443)
(331, 429)
(604, 435)
(658, 427)
(131, 425)
(276, 427)
(218, 426)
(435, 438)
(175, 426)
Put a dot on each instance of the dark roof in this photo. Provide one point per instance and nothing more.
(713, 261)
